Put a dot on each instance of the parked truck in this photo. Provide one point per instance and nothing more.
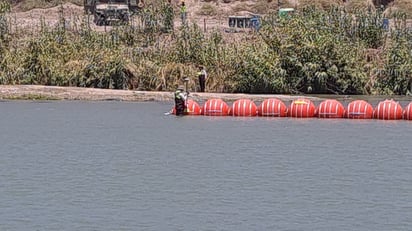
(109, 12)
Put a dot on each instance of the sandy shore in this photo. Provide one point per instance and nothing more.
(8, 92)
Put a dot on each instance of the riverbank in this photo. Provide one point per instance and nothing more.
(37, 92)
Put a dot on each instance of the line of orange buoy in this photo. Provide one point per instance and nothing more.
(302, 108)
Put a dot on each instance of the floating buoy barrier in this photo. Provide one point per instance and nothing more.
(330, 108)
(407, 113)
(359, 109)
(193, 108)
(272, 107)
(301, 108)
(215, 107)
(388, 110)
(243, 107)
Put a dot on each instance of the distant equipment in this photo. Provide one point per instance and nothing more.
(245, 22)
(286, 12)
(110, 12)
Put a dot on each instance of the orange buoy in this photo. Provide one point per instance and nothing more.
(215, 107)
(407, 113)
(388, 110)
(359, 109)
(301, 108)
(244, 107)
(193, 108)
(272, 107)
(330, 108)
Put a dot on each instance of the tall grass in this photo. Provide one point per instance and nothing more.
(313, 51)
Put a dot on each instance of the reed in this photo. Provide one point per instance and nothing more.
(313, 51)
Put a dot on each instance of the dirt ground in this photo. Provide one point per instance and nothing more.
(32, 20)
(218, 19)
(37, 92)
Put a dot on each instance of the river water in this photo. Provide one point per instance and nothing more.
(72, 165)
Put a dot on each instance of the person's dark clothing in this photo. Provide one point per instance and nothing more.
(180, 106)
(202, 82)
(202, 79)
(180, 103)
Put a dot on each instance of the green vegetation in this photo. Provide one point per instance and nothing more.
(313, 51)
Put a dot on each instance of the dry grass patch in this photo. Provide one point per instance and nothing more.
(26, 5)
(263, 7)
(401, 6)
(207, 9)
(355, 5)
(241, 6)
(320, 4)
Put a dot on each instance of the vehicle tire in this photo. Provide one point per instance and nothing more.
(98, 20)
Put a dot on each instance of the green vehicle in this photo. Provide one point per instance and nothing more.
(286, 12)
(110, 12)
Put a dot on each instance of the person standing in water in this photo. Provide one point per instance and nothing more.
(180, 101)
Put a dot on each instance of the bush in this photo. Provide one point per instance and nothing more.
(312, 49)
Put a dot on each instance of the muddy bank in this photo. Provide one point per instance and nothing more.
(9, 92)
